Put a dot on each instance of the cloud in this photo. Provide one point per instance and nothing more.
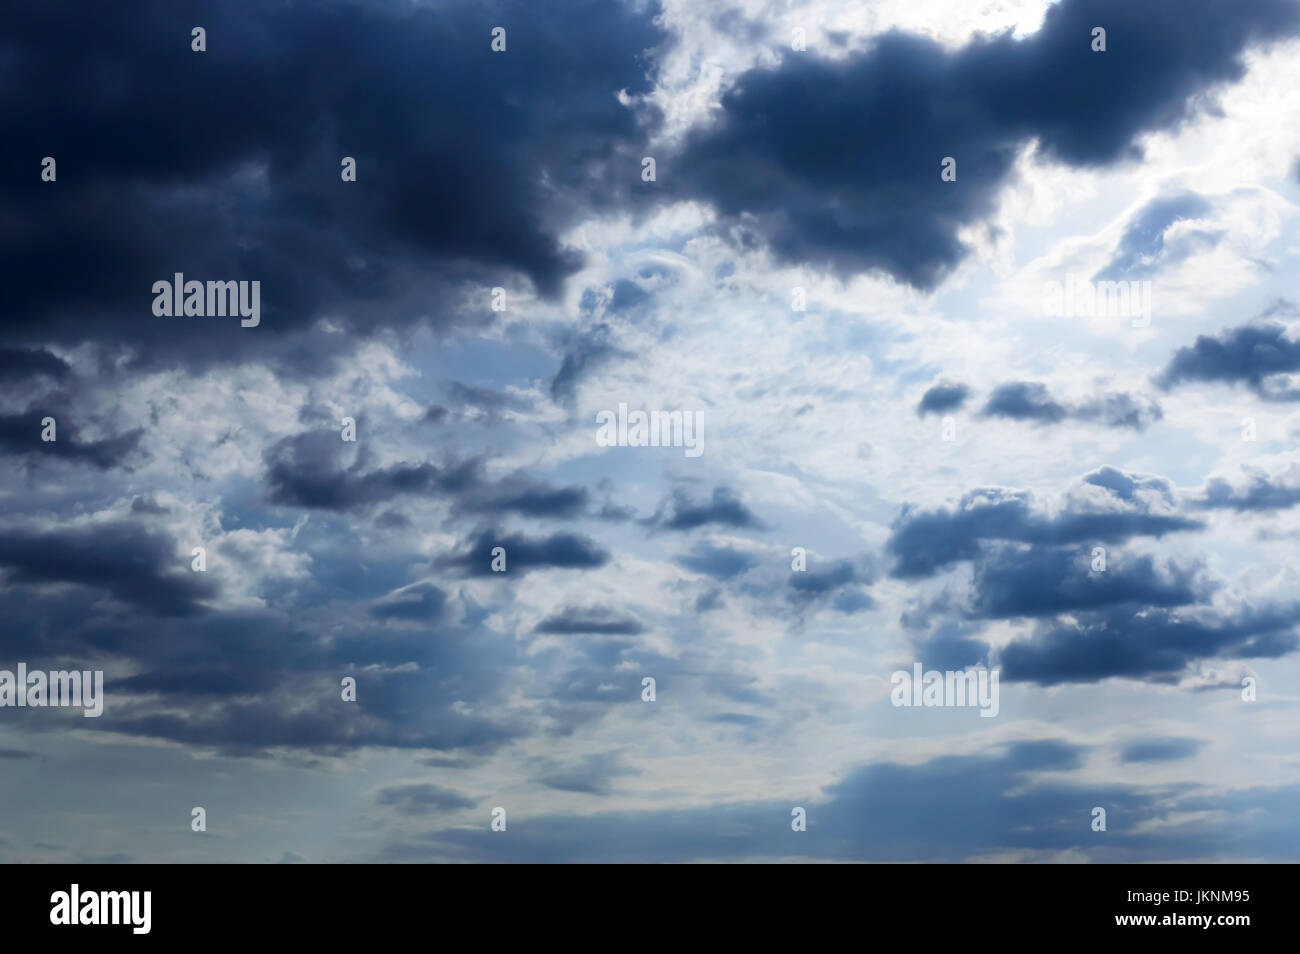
(586, 352)
(522, 495)
(1017, 581)
(719, 562)
(1109, 506)
(1260, 492)
(1259, 356)
(307, 470)
(20, 363)
(423, 799)
(1119, 409)
(1030, 401)
(485, 400)
(593, 775)
(1143, 249)
(594, 619)
(724, 508)
(137, 566)
(1024, 401)
(524, 553)
(942, 397)
(421, 602)
(21, 434)
(232, 193)
(890, 812)
(1149, 643)
(1160, 750)
(841, 577)
(950, 648)
(286, 692)
(822, 160)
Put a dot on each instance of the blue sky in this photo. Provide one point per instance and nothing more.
(948, 451)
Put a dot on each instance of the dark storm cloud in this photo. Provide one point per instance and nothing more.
(724, 508)
(1149, 643)
(524, 553)
(20, 434)
(137, 566)
(285, 690)
(423, 799)
(1013, 581)
(1030, 401)
(226, 164)
(1142, 248)
(1160, 750)
(19, 363)
(1259, 356)
(837, 162)
(594, 619)
(183, 668)
(306, 471)
(942, 397)
(923, 542)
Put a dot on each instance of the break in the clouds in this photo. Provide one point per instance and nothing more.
(363, 573)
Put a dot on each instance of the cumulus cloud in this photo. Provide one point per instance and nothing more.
(1107, 506)
(820, 158)
(1259, 356)
(1031, 401)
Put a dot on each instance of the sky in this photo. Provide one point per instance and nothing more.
(845, 239)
